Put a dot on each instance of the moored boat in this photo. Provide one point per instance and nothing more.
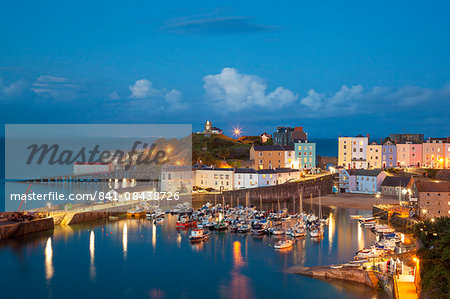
(198, 235)
(283, 244)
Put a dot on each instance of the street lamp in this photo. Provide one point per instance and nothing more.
(237, 132)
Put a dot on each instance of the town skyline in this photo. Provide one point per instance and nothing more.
(326, 66)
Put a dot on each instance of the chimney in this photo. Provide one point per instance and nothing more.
(368, 138)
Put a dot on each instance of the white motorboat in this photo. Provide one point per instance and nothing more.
(279, 231)
(198, 235)
(283, 244)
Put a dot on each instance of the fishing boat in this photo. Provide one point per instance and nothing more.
(185, 223)
(198, 235)
(283, 244)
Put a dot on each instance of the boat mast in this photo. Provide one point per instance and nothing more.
(301, 201)
(320, 206)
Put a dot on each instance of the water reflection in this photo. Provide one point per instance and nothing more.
(92, 269)
(125, 240)
(330, 230)
(240, 284)
(240, 264)
(49, 271)
(360, 236)
(154, 235)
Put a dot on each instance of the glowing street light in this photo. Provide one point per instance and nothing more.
(237, 132)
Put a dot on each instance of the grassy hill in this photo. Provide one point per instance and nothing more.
(216, 147)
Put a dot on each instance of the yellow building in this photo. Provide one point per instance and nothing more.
(374, 156)
(352, 152)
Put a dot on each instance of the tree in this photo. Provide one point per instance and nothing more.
(224, 153)
(434, 256)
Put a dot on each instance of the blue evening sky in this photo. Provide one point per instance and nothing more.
(333, 67)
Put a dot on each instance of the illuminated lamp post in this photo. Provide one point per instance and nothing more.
(237, 132)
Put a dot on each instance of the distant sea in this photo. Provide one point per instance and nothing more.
(326, 147)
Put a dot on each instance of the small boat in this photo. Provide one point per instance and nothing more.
(279, 231)
(336, 266)
(210, 225)
(316, 232)
(296, 232)
(221, 226)
(198, 235)
(282, 244)
(185, 223)
(243, 228)
(113, 217)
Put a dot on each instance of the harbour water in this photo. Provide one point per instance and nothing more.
(135, 258)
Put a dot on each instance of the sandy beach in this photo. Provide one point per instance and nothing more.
(357, 201)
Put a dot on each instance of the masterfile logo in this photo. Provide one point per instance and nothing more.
(83, 164)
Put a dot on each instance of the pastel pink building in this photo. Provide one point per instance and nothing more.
(447, 155)
(433, 154)
(409, 154)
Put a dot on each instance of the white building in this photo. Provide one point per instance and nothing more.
(176, 178)
(285, 175)
(353, 152)
(86, 167)
(267, 177)
(245, 178)
(216, 178)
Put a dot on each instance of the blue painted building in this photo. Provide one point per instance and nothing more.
(305, 155)
(388, 154)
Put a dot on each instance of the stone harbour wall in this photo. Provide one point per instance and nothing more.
(22, 228)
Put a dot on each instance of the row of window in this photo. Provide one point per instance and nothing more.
(304, 147)
(305, 154)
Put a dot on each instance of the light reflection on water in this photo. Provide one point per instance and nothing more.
(49, 271)
(133, 257)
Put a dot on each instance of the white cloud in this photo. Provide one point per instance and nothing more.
(235, 91)
(174, 99)
(142, 89)
(356, 99)
(56, 87)
(313, 100)
(114, 95)
(13, 89)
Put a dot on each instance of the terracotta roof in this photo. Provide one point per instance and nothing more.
(433, 186)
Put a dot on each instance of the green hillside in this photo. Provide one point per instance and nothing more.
(217, 147)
